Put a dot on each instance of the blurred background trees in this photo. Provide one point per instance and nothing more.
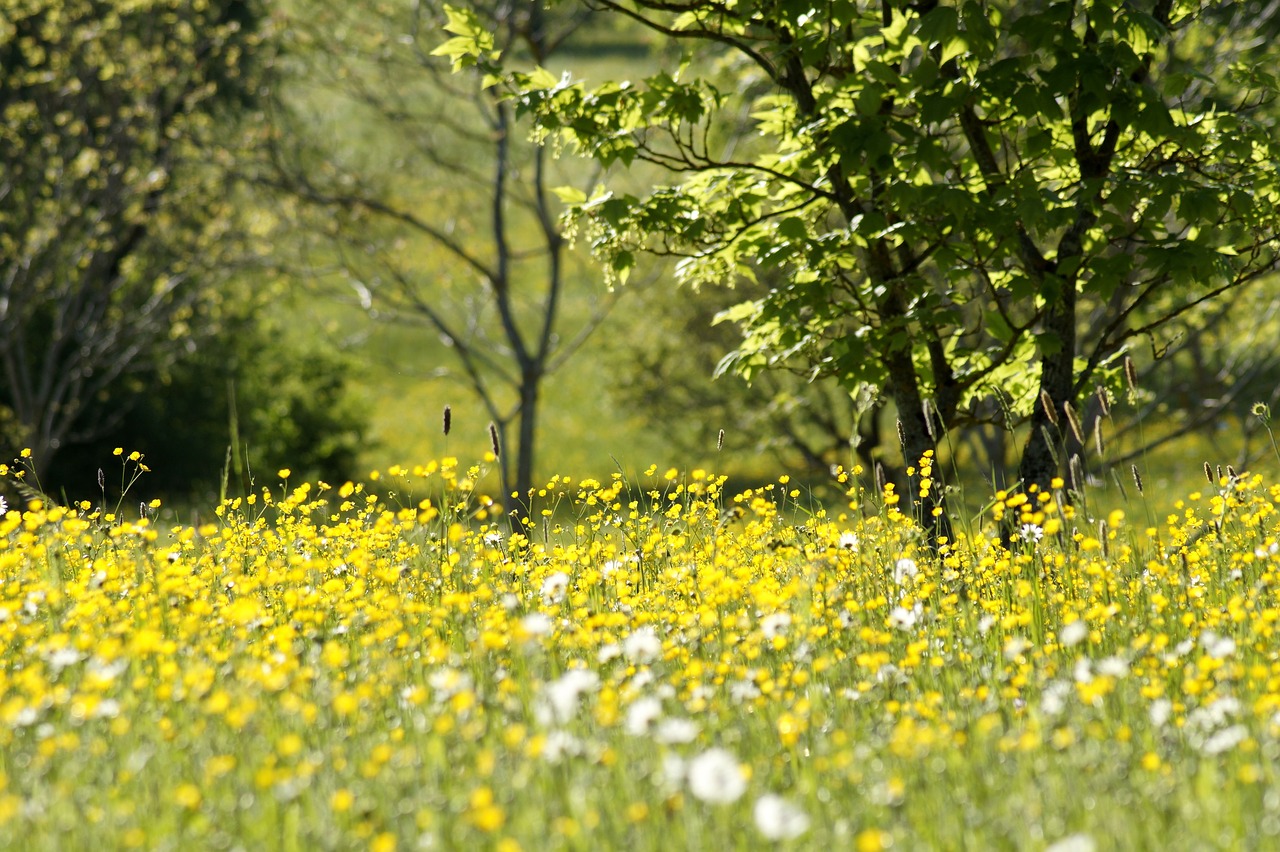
(285, 229)
(124, 247)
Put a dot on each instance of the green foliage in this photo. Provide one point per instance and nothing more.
(290, 404)
(955, 200)
(117, 223)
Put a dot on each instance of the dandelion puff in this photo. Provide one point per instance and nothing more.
(675, 731)
(563, 695)
(1160, 711)
(554, 588)
(716, 777)
(642, 645)
(1073, 634)
(905, 569)
(536, 624)
(775, 624)
(1224, 740)
(1073, 843)
(903, 619)
(642, 714)
(1217, 647)
(778, 819)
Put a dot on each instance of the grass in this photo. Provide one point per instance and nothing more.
(649, 662)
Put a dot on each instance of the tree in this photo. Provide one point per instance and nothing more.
(114, 219)
(959, 199)
(451, 226)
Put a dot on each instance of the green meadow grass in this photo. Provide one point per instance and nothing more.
(650, 662)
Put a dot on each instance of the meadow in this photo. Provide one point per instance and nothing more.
(648, 662)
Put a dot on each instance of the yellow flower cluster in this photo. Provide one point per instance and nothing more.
(636, 663)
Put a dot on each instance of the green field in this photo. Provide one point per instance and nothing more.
(653, 663)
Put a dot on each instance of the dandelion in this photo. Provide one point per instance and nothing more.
(903, 618)
(1073, 843)
(641, 715)
(775, 624)
(675, 731)
(1224, 740)
(778, 819)
(563, 695)
(555, 588)
(1073, 634)
(716, 777)
(642, 645)
(1217, 647)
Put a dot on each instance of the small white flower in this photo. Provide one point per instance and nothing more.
(554, 588)
(559, 745)
(905, 569)
(108, 708)
(1161, 710)
(1116, 667)
(1218, 647)
(642, 646)
(563, 695)
(743, 690)
(608, 652)
(641, 715)
(903, 619)
(536, 624)
(775, 624)
(62, 658)
(848, 541)
(1225, 740)
(1031, 533)
(778, 819)
(1073, 843)
(985, 624)
(1054, 699)
(1015, 648)
(716, 777)
(1073, 634)
(493, 538)
(675, 731)
(4, 507)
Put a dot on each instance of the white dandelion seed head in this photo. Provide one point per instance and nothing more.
(1015, 647)
(775, 624)
(1224, 740)
(642, 645)
(1218, 647)
(562, 696)
(675, 731)
(536, 624)
(716, 777)
(1073, 843)
(778, 819)
(904, 619)
(1073, 634)
(905, 569)
(641, 715)
(555, 588)
(1160, 711)
(1116, 667)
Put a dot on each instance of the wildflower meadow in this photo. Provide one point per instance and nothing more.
(647, 662)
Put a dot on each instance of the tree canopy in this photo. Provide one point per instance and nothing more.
(965, 201)
(114, 205)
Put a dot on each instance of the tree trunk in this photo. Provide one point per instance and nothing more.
(916, 441)
(1057, 374)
